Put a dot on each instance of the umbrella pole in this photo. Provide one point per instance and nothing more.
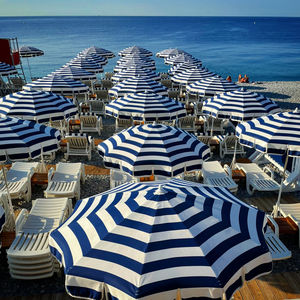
(7, 191)
(43, 168)
(275, 212)
(29, 68)
(212, 126)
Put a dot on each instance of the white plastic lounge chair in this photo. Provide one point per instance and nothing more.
(19, 180)
(97, 107)
(117, 178)
(89, 122)
(79, 145)
(228, 144)
(123, 124)
(65, 181)
(218, 125)
(29, 255)
(214, 174)
(188, 123)
(257, 179)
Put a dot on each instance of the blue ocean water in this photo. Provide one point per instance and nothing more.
(262, 48)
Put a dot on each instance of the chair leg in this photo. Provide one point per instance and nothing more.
(250, 189)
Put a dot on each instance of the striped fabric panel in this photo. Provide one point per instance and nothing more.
(85, 64)
(2, 218)
(135, 71)
(136, 50)
(146, 106)
(57, 84)
(101, 60)
(29, 51)
(137, 85)
(170, 52)
(75, 73)
(98, 51)
(181, 58)
(135, 57)
(20, 139)
(192, 75)
(154, 148)
(272, 134)
(183, 67)
(36, 106)
(135, 63)
(239, 105)
(6, 69)
(148, 240)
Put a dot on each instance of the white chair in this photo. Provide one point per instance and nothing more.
(65, 181)
(188, 123)
(257, 179)
(230, 144)
(214, 174)
(19, 180)
(102, 95)
(117, 178)
(123, 124)
(29, 255)
(79, 145)
(213, 125)
(90, 122)
(97, 107)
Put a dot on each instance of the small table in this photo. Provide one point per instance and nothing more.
(238, 175)
(73, 123)
(39, 179)
(214, 145)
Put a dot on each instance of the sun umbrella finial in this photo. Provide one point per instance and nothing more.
(160, 190)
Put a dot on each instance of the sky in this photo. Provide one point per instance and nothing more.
(284, 8)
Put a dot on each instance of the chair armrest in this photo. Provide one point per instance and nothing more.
(227, 170)
(268, 170)
(270, 218)
(21, 219)
(50, 174)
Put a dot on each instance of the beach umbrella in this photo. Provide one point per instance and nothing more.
(98, 51)
(36, 106)
(57, 84)
(134, 72)
(137, 85)
(85, 64)
(181, 58)
(149, 240)
(6, 69)
(101, 60)
(211, 86)
(135, 49)
(191, 75)
(183, 67)
(170, 52)
(146, 106)
(2, 218)
(74, 73)
(135, 57)
(138, 63)
(154, 149)
(275, 134)
(29, 51)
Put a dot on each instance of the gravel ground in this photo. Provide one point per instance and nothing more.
(288, 96)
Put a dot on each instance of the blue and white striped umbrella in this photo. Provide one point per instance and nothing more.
(211, 86)
(21, 139)
(154, 149)
(135, 50)
(29, 51)
(36, 106)
(147, 240)
(135, 56)
(192, 75)
(57, 84)
(181, 58)
(137, 85)
(101, 60)
(170, 52)
(6, 69)
(2, 218)
(134, 72)
(183, 67)
(74, 73)
(135, 63)
(85, 64)
(98, 51)
(146, 106)
(239, 105)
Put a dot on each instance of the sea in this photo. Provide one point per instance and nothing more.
(264, 48)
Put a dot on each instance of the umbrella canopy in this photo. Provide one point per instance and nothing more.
(146, 106)
(2, 218)
(211, 86)
(146, 241)
(22, 139)
(36, 106)
(28, 51)
(57, 84)
(85, 64)
(101, 60)
(134, 72)
(137, 85)
(74, 73)
(154, 149)
(183, 67)
(135, 49)
(135, 63)
(181, 58)
(239, 105)
(170, 52)
(6, 69)
(135, 57)
(98, 51)
(192, 75)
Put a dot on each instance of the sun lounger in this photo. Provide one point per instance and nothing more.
(214, 174)
(79, 145)
(229, 144)
(65, 181)
(257, 179)
(29, 255)
(215, 125)
(19, 180)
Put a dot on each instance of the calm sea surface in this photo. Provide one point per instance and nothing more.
(263, 48)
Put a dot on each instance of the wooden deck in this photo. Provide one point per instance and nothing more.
(277, 286)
